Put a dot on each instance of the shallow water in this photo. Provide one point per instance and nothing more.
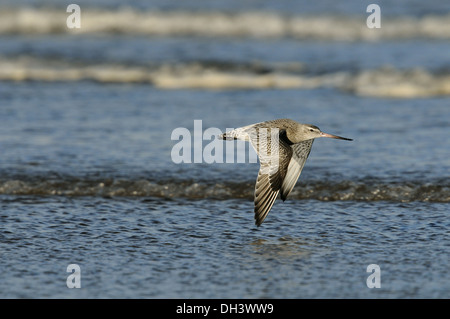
(87, 175)
(149, 247)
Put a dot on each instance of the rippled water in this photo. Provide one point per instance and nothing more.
(210, 249)
(87, 177)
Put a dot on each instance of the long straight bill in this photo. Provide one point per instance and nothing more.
(322, 134)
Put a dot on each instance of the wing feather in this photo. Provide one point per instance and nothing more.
(264, 197)
(281, 161)
(299, 155)
(274, 160)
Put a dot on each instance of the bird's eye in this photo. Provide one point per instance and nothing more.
(311, 130)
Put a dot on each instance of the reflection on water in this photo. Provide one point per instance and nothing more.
(282, 248)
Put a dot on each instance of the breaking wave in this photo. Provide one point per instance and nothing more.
(219, 24)
(381, 82)
(369, 189)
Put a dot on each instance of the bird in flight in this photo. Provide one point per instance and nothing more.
(282, 146)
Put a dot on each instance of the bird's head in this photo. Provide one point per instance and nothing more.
(308, 131)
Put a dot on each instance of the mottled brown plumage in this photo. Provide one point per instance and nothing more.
(283, 146)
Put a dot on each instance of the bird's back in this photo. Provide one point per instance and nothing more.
(281, 124)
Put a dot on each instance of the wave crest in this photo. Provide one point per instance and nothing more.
(365, 190)
(381, 82)
(219, 24)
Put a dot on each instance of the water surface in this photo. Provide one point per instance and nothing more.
(87, 177)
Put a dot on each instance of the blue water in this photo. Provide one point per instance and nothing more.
(155, 248)
(87, 178)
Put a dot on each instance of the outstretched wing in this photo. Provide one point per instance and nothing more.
(274, 156)
(300, 154)
(265, 195)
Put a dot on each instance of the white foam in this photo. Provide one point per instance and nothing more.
(27, 68)
(390, 82)
(382, 82)
(218, 24)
